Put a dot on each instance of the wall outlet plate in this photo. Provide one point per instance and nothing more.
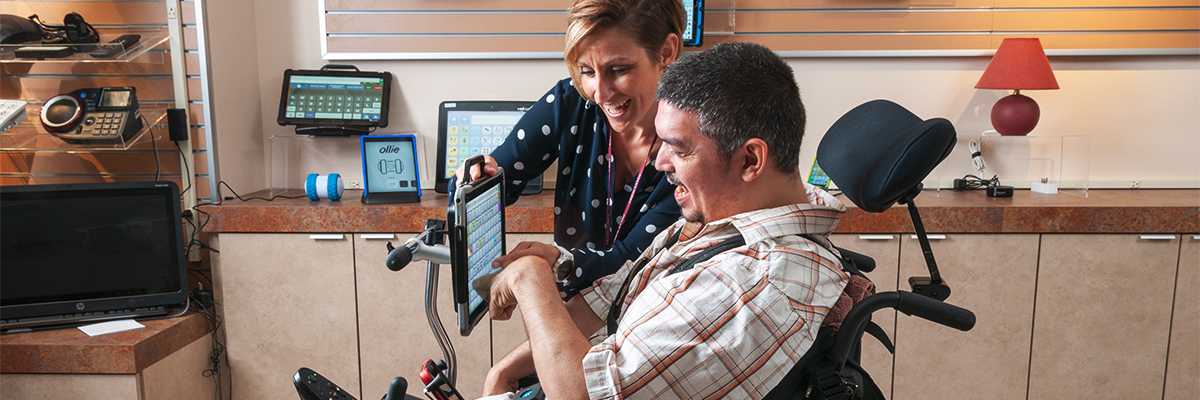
(353, 184)
(1043, 188)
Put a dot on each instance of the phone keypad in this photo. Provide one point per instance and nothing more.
(107, 124)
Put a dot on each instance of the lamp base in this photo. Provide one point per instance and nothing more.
(1015, 115)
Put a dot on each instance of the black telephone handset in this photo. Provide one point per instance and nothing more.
(103, 115)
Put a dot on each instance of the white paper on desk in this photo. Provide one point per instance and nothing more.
(110, 327)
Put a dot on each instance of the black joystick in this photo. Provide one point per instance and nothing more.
(312, 386)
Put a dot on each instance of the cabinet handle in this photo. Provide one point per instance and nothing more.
(327, 236)
(875, 237)
(1196, 237)
(1156, 237)
(379, 236)
(932, 237)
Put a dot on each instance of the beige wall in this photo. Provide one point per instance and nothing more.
(1141, 112)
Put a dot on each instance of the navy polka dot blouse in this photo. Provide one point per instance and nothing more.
(563, 126)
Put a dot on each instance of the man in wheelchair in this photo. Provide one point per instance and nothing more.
(730, 120)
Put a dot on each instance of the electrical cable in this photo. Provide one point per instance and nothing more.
(187, 171)
(976, 156)
(154, 142)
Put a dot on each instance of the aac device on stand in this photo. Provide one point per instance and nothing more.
(469, 128)
(476, 238)
(390, 171)
(337, 100)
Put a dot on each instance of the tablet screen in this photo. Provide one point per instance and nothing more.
(478, 238)
(485, 238)
(390, 169)
(470, 128)
(337, 98)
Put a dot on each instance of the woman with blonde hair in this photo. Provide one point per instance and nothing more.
(609, 201)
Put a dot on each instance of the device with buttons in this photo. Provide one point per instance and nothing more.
(313, 386)
(94, 115)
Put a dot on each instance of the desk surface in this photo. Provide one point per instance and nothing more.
(947, 211)
(70, 351)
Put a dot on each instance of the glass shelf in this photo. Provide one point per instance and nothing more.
(151, 38)
(30, 137)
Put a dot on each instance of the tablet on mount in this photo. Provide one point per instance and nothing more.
(337, 100)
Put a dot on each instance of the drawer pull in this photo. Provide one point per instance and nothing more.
(1156, 237)
(1196, 237)
(378, 236)
(933, 237)
(327, 236)
(875, 237)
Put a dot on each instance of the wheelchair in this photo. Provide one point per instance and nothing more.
(877, 153)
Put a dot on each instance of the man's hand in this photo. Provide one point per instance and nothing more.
(489, 167)
(544, 251)
(528, 273)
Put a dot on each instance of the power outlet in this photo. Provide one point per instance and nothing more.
(1135, 184)
(353, 184)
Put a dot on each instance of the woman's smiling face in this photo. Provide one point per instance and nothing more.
(619, 75)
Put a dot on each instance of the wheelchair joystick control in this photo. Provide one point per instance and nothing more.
(313, 386)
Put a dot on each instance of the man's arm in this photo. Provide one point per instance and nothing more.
(503, 376)
(557, 343)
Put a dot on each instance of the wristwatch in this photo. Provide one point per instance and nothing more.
(564, 266)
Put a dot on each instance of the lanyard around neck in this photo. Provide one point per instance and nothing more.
(609, 236)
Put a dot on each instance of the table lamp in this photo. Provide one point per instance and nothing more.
(1019, 64)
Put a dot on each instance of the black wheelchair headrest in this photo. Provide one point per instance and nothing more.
(880, 152)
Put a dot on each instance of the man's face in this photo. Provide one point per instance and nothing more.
(706, 183)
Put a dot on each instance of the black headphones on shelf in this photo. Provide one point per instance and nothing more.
(74, 30)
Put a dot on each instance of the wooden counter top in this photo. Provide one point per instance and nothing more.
(1102, 211)
(70, 351)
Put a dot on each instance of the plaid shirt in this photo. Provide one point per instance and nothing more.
(731, 326)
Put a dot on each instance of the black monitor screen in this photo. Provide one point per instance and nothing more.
(89, 248)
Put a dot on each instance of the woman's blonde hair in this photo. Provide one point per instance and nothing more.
(648, 22)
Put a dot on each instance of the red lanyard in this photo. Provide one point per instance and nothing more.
(609, 237)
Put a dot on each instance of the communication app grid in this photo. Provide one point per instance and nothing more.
(484, 233)
(470, 133)
(688, 30)
(395, 170)
(335, 97)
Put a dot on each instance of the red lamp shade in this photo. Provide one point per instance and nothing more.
(1019, 64)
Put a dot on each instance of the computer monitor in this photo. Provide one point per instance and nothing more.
(72, 254)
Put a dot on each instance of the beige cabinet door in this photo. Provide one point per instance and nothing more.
(1183, 356)
(288, 302)
(1103, 316)
(992, 275)
(394, 332)
(885, 249)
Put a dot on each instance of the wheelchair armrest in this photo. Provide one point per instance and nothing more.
(863, 262)
(912, 304)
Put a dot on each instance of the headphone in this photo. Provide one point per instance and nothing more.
(74, 30)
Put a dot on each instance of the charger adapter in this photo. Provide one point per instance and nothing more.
(205, 298)
(1000, 191)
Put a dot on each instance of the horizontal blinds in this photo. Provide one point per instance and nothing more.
(416, 29)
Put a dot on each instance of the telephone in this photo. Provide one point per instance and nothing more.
(94, 115)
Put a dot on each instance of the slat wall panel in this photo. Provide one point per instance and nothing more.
(94, 12)
(402, 29)
(151, 74)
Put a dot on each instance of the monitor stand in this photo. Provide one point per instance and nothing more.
(330, 130)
